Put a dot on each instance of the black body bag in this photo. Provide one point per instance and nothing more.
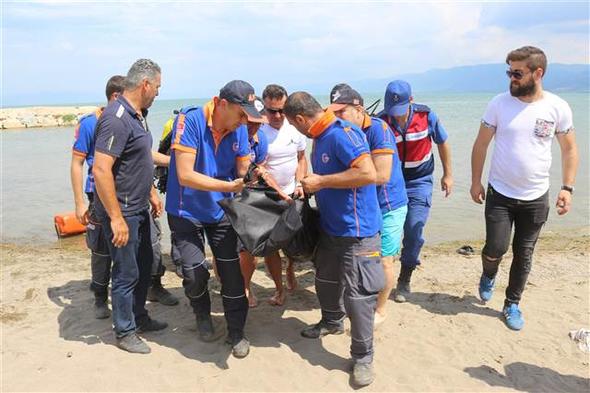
(265, 223)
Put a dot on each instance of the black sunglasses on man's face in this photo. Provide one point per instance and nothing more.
(518, 74)
(271, 111)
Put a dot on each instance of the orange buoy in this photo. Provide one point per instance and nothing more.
(66, 224)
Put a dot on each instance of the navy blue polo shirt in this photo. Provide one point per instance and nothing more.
(122, 133)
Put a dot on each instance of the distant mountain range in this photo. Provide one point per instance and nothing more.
(481, 78)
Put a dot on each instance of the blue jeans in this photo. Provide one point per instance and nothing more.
(131, 273)
(419, 202)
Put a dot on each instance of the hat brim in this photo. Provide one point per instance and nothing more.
(263, 120)
(251, 112)
(336, 107)
(398, 110)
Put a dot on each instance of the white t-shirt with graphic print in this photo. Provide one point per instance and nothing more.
(281, 160)
(523, 135)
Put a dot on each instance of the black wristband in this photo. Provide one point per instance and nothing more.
(568, 189)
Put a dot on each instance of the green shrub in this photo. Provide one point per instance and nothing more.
(69, 118)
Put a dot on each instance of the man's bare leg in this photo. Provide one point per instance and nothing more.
(381, 309)
(275, 268)
(248, 265)
(291, 279)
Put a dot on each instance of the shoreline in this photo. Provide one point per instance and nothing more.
(42, 116)
(77, 242)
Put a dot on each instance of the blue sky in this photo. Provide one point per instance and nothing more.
(64, 51)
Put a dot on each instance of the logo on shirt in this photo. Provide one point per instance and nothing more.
(325, 158)
(544, 128)
(235, 147)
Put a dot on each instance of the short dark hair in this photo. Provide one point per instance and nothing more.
(533, 56)
(116, 84)
(301, 103)
(274, 92)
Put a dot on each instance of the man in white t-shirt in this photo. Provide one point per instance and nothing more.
(287, 164)
(523, 122)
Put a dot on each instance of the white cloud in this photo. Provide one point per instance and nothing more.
(202, 45)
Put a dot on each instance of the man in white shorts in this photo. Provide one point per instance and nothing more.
(287, 164)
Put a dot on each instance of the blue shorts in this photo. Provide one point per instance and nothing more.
(392, 230)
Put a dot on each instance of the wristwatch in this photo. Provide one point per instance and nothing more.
(568, 189)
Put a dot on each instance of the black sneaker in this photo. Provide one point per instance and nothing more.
(178, 271)
(157, 293)
(132, 343)
(362, 374)
(151, 325)
(205, 329)
(321, 329)
(101, 309)
(401, 293)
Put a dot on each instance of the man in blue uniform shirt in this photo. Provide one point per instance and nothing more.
(83, 151)
(347, 259)
(209, 142)
(347, 104)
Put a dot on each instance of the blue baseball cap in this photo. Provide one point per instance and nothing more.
(397, 98)
(241, 93)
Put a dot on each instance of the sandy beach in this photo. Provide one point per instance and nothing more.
(42, 116)
(444, 339)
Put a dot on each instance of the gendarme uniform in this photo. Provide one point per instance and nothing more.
(414, 144)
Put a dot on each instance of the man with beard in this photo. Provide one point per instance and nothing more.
(523, 122)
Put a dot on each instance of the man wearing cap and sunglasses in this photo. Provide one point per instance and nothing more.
(209, 142)
(347, 104)
(523, 122)
(415, 127)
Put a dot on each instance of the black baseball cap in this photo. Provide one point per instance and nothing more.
(343, 95)
(259, 105)
(241, 93)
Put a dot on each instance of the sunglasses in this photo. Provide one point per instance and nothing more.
(271, 111)
(518, 75)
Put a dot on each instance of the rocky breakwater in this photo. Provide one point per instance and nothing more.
(48, 116)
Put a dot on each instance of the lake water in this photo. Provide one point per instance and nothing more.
(36, 181)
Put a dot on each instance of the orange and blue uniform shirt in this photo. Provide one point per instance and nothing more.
(392, 194)
(84, 144)
(258, 147)
(349, 212)
(215, 156)
(414, 142)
